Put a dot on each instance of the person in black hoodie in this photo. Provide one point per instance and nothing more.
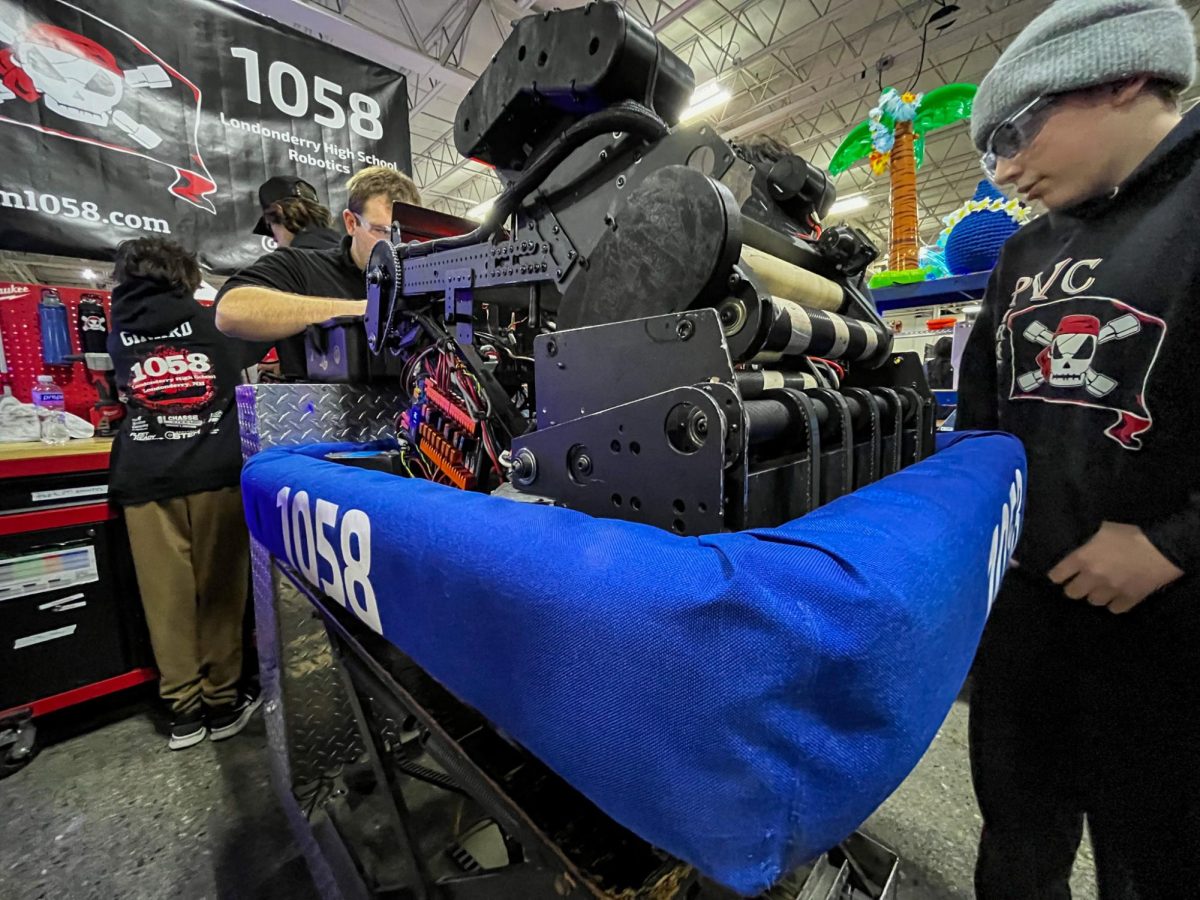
(176, 466)
(1085, 696)
(939, 369)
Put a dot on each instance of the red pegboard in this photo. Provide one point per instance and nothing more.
(22, 339)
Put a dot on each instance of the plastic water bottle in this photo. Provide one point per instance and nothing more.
(49, 399)
(56, 336)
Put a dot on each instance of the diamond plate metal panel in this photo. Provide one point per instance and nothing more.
(287, 414)
(311, 729)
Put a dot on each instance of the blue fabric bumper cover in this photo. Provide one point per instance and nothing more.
(743, 700)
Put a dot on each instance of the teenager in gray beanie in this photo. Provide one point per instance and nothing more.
(1085, 695)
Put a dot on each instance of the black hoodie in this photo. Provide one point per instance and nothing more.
(176, 375)
(1083, 350)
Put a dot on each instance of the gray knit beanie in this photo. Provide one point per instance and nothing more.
(1076, 44)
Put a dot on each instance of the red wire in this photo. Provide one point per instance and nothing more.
(840, 371)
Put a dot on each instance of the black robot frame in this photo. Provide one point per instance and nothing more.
(649, 324)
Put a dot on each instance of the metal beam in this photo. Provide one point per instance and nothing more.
(358, 39)
(853, 68)
(675, 14)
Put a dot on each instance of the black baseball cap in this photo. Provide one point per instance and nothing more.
(280, 187)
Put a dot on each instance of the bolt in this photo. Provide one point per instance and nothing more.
(556, 229)
(603, 155)
(728, 316)
(545, 265)
(375, 276)
(620, 181)
(545, 248)
(701, 425)
(685, 329)
(570, 254)
(551, 348)
(583, 464)
(734, 280)
(558, 273)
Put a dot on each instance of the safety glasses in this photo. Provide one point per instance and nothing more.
(1016, 133)
(380, 231)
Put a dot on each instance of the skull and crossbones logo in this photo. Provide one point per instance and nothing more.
(1070, 349)
(75, 77)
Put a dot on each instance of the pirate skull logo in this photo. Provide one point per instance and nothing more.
(75, 77)
(1070, 350)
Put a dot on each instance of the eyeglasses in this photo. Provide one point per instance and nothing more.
(1015, 133)
(380, 231)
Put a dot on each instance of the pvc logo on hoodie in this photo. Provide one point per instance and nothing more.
(1084, 350)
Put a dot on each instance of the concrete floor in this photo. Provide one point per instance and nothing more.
(932, 822)
(107, 811)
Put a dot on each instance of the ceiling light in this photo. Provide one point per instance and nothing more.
(972, 308)
(944, 16)
(478, 213)
(704, 98)
(849, 204)
(88, 274)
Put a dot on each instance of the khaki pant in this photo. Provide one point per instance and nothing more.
(192, 556)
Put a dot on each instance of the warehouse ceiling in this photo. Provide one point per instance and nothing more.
(805, 71)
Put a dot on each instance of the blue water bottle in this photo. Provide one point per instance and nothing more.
(56, 335)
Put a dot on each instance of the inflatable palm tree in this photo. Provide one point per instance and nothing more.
(893, 138)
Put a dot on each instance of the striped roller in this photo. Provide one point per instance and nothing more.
(797, 330)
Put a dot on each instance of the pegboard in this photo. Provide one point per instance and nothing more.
(22, 339)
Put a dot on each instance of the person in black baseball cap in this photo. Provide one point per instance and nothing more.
(293, 215)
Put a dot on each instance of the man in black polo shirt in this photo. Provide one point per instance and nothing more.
(284, 292)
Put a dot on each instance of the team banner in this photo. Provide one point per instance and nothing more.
(119, 120)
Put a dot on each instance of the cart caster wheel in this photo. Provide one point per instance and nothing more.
(18, 745)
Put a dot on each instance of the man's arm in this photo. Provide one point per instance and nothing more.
(977, 404)
(261, 314)
(1177, 537)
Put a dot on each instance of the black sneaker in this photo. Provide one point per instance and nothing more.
(226, 721)
(187, 729)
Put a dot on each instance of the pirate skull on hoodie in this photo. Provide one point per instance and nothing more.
(1086, 350)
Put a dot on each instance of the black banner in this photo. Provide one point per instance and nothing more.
(128, 118)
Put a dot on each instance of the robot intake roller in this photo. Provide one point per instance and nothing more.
(796, 330)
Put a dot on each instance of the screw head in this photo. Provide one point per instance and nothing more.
(620, 181)
(551, 348)
(685, 329)
(583, 464)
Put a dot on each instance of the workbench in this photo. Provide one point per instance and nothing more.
(71, 625)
